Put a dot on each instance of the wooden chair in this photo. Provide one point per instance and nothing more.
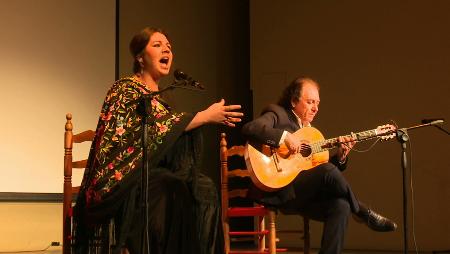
(260, 213)
(69, 190)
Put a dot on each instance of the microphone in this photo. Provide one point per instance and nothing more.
(433, 121)
(181, 76)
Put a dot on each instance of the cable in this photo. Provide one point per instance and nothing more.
(25, 251)
(413, 224)
(363, 151)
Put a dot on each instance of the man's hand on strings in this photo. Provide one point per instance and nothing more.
(345, 146)
(292, 143)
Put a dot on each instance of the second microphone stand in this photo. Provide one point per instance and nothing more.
(403, 138)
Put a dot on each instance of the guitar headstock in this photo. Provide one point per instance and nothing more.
(386, 132)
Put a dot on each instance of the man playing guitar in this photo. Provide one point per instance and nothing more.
(320, 193)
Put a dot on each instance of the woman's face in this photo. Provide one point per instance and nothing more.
(157, 57)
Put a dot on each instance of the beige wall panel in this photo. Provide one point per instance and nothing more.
(56, 57)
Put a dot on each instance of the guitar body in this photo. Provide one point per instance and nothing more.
(272, 169)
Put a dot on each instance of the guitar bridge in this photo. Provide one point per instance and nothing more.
(276, 161)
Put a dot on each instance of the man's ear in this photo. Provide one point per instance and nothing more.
(293, 104)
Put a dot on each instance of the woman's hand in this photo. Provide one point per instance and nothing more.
(217, 113)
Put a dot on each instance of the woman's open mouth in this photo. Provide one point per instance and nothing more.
(164, 61)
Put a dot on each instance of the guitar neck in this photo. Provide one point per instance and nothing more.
(331, 143)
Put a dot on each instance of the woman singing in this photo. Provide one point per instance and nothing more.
(183, 208)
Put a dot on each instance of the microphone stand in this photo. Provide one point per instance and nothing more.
(403, 138)
(144, 109)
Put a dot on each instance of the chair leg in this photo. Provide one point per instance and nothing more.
(272, 233)
(261, 239)
(226, 230)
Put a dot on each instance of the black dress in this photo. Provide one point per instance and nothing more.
(183, 211)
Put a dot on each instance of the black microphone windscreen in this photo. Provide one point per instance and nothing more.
(430, 120)
(179, 74)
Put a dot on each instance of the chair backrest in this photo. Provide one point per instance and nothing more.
(258, 212)
(69, 190)
(226, 174)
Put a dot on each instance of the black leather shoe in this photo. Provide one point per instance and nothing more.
(376, 222)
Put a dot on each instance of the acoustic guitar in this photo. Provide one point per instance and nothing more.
(273, 168)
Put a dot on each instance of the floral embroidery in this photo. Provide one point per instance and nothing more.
(162, 128)
(155, 102)
(163, 122)
(118, 175)
(120, 130)
(130, 150)
(106, 117)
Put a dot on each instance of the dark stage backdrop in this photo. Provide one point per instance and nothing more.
(376, 61)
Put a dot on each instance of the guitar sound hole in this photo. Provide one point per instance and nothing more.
(305, 150)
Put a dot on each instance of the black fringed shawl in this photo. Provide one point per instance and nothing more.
(110, 191)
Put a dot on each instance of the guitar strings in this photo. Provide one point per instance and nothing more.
(365, 139)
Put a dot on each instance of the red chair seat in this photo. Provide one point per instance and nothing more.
(236, 233)
(247, 211)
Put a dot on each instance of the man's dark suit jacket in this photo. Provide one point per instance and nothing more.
(267, 129)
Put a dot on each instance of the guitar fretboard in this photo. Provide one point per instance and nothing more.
(328, 144)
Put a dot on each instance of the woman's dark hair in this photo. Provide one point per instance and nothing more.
(139, 42)
(293, 92)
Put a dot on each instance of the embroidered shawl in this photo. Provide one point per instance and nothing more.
(117, 150)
